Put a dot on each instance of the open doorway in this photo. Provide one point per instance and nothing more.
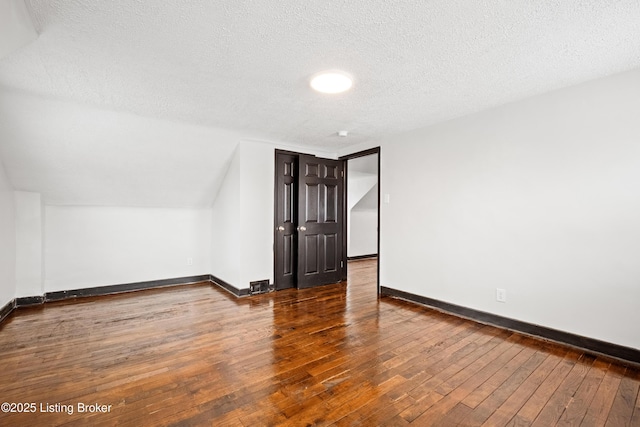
(362, 209)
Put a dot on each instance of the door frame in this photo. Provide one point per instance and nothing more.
(368, 152)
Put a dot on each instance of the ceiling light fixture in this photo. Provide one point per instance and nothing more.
(331, 82)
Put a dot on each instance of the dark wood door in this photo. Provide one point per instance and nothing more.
(285, 245)
(320, 191)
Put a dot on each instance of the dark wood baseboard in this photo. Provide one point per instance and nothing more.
(592, 345)
(116, 289)
(357, 257)
(27, 301)
(230, 288)
(7, 309)
(127, 287)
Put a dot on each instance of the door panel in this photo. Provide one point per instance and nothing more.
(331, 198)
(288, 256)
(312, 205)
(311, 251)
(330, 252)
(285, 218)
(320, 190)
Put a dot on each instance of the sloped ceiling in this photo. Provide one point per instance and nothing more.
(369, 201)
(244, 66)
(74, 155)
(364, 169)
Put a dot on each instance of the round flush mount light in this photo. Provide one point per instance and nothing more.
(331, 82)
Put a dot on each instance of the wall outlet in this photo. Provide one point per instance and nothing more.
(501, 295)
(189, 261)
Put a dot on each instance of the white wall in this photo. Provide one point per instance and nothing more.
(87, 246)
(363, 237)
(242, 239)
(7, 240)
(29, 280)
(94, 246)
(540, 197)
(358, 185)
(225, 226)
(257, 182)
(362, 216)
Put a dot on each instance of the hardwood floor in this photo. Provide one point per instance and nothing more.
(336, 355)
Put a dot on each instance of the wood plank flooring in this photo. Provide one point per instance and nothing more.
(336, 355)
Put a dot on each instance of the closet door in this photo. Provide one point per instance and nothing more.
(285, 244)
(319, 225)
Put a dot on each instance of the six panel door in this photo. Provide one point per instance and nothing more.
(285, 244)
(320, 199)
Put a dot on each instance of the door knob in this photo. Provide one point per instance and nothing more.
(302, 228)
(280, 228)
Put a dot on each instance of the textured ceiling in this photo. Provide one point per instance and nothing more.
(245, 64)
(122, 102)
